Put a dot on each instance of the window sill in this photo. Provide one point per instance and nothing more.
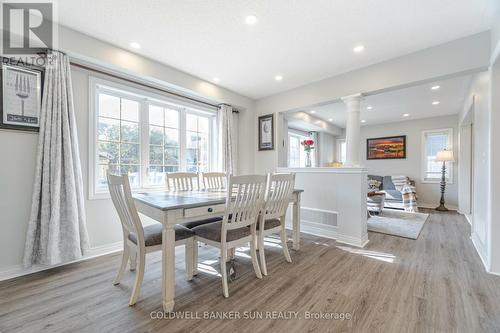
(437, 181)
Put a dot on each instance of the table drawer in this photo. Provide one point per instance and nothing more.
(205, 210)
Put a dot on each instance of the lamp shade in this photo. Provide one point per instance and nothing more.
(445, 156)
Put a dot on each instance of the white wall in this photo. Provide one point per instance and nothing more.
(428, 193)
(326, 148)
(18, 149)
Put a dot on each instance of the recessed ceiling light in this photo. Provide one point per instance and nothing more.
(359, 49)
(135, 45)
(216, 79)
(363, 121)
(312, 111)
(435, 103)
(369, 107)
(406, 114)
(331, 119)
(278, 77)
(435, 87)
(251, 19)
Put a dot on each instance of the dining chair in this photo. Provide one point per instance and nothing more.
(244, 200)
(138, 240)
(183, 181)
(272, 217)
(214, 180)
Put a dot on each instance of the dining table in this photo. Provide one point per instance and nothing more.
(171, 208)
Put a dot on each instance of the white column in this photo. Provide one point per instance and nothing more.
(353, 127)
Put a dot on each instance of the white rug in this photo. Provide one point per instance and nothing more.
(398, 223)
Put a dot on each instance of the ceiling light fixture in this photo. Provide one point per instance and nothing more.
(251, 19)
(406, 114)
(216, 79)
(369, 107)
(435, 103)
(331, 119)
(135, 45)
(278, 77)
(363, 121)
(435, 87)
(358, 49)
(312, 111)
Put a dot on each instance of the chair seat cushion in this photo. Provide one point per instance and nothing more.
(212, 231)
(270, 224)
(193, 224)
(153, 234)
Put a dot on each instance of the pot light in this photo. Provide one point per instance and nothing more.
(435, 87)
(331, 119)
(369, 107)
(435, 103)
(135, 45)
(358, 49)
(278, 77)
(216, 79)
(363, 121)
(312, 111)
(406, 114)
(251, 19)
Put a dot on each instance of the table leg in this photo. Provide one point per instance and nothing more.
(168, 266)
(296, 222)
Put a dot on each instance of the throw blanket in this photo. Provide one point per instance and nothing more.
(409, 198)
(399, 182)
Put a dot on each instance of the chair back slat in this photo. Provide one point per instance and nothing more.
(245, 199)
(278, 195)
(182, 181)
(214, 180)
(121, 195)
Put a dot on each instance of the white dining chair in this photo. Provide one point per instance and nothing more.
(139, 240)
(272, 218)
(244, 200)
(214, 180)
(183, 181)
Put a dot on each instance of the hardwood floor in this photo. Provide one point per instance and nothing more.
(434, 284)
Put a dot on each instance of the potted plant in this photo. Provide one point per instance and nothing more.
(308, 146)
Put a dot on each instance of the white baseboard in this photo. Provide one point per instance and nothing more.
(479, 249)
(14, 271)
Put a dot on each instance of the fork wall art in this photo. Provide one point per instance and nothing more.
(21, 97)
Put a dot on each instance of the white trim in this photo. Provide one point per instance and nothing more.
(477, 245)
(423, 157)
(495, 54)
(14, 271)
(323, 170)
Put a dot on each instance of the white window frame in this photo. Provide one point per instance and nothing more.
(300, 134)
(145, 98)
(340, 142)
(449, 166)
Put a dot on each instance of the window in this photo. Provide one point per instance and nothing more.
(432, 142)
(296, 153)
(342, 151)
(146, 136)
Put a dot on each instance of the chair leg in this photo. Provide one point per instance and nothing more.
(138, 277)
(195, 257)
(189, 258)
(262, 253)
(253, 254)
(123, 265)
(223, 259)
(284, 246)
(133, 259)
(231, 253)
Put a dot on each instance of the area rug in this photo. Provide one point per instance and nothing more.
(398, 223)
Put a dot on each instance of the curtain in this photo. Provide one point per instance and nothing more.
(226, 139)
(56, 230)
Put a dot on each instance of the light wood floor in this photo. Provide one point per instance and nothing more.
(433, 284)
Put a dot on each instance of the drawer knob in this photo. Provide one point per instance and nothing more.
(210, 209)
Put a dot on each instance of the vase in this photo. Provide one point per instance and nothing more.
(308, 159)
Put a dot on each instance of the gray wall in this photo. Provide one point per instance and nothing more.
(412, 165)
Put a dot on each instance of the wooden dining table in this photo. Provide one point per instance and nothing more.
(171, 208)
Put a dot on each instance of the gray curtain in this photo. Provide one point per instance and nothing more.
(226, 136)
(57, 231)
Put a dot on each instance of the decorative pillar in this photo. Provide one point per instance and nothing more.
(353, 128)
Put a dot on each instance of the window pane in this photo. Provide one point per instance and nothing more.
(108, 152)
(130, 110)
(191, 122)
(133, 172)
(192, 168)
(170, 168)
(109, 106)
(129, 153)
(172, 118)
(171, 156)
(156, 175)
(172, 137)
(102, 182)
(203, 124)
(156, 155)
(156, 135)
(155, 115)
(192, 140)
(109, 129)
(192, 156)
(130, 132)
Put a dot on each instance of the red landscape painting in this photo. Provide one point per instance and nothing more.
(386, 148)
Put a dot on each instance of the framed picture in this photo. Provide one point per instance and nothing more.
(392, 147)
(21, 97)
(266, 132)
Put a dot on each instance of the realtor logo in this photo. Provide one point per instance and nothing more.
(27, 27)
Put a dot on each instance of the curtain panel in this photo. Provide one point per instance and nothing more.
(227, 147)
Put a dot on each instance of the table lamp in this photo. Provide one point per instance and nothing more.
(444, 156)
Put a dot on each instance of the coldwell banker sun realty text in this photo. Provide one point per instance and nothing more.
(251, 315)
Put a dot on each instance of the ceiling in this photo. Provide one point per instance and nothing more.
(415, 101)
(304, 41)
